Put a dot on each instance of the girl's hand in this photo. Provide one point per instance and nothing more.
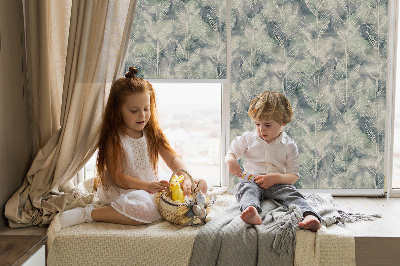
(155, 187)
(266, 181)
(187, 186)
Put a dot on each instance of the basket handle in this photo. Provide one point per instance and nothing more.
(186, 172)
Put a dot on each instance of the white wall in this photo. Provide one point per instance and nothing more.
(15, 131)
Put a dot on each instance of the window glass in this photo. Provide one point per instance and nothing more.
(90, 167)
(190, 116)
(330, 61)
(174, 39)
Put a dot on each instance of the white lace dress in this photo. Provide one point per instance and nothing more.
(138, 205)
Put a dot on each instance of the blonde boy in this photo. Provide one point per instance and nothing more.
(270, 160)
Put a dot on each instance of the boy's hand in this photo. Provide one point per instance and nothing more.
(266, 181)
(233, 165)
(234, 169)
(154, 187)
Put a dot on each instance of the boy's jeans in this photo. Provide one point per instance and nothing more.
(250, 194)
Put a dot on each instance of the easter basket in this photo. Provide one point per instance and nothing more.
(191, 212)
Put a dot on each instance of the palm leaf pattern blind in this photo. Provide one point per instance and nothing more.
(177, 39)
(329, 57)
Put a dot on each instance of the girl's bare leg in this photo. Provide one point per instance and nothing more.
(109, 215)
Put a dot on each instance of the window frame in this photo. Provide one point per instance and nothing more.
(391, 97)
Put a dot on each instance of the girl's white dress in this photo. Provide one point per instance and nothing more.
(138, 205)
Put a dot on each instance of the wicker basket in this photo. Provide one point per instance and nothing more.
(176, 212)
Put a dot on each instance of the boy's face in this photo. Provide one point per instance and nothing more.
(268, 130)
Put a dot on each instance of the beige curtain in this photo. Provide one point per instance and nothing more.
(46, 38)
(98, 35)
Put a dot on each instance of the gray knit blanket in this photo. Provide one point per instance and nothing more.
(227, 240)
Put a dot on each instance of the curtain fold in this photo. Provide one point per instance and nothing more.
(98, 33)
(46, 33)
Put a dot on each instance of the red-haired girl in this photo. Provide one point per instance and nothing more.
(131, 142)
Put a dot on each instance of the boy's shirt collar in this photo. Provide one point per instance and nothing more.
(280, 139)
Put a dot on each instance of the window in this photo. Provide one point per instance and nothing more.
(90, 167)
(190, 116)
(332, 71)
(180, 47)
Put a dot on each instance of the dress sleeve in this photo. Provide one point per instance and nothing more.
(238, 147)
(292, 160)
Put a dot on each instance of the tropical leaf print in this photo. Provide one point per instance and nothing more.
(329, 57)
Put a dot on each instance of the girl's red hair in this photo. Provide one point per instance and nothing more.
(112, 126)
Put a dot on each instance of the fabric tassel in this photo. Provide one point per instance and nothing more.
(287, 224)
(349, 217)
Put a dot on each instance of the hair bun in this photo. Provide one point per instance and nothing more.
(132, 72)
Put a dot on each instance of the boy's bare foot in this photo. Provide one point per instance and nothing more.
(250, 216)
(310, 222)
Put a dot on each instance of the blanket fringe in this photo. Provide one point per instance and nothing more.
(349, 217)
(286, 233)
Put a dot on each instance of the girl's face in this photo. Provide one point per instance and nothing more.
(268, 130)
(136, 113)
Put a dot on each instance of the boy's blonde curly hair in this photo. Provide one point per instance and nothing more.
(271, 105)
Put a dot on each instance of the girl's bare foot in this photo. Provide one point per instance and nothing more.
(250, 216)
(310, 222)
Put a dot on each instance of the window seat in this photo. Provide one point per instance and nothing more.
(96, 243)
(376, 242)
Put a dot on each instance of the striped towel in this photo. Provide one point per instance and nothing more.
(248, 176)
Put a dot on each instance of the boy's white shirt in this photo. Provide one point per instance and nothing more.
(279, 156)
